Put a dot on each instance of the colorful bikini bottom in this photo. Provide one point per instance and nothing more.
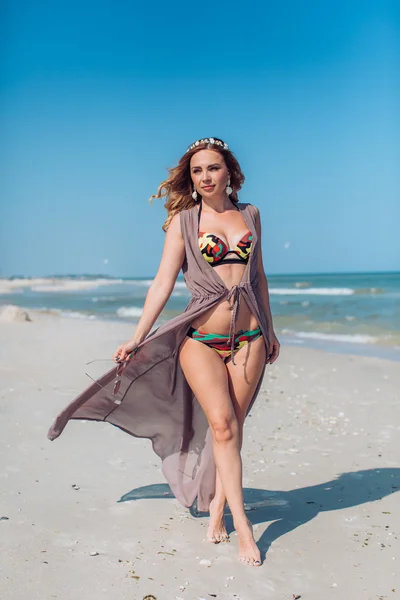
(221, 343)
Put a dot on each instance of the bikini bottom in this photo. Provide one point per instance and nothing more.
(221, 343)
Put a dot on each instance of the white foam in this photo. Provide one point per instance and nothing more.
(108, 298)
(69, 285)
(356, 338)
(71, 314)
(12, 284)
(180, 285)
(313, 291)
(302, 284)
(148, 282)
(141, 282)
(129, 311)
(61, 284)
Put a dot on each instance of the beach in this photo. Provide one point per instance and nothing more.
(90, 515)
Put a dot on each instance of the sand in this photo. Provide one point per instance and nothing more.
(89, 516)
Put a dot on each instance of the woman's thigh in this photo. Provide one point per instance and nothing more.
(243, 377)
(223, 390)
(207, 376)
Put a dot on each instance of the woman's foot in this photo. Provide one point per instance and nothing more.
(216, 530)
(249, 553)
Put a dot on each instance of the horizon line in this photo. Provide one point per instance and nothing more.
(105, 276)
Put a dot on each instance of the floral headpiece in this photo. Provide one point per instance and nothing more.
(208, 141)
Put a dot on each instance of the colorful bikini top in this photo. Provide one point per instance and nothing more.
(216, 251)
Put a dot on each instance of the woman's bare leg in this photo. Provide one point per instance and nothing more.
(217, 530)
(243, 378)
(199, 364)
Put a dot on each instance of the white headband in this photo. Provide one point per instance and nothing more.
(208, 141)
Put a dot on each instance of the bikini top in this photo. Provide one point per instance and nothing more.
(215, 251)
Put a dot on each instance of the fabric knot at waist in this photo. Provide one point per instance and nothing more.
(233, 298)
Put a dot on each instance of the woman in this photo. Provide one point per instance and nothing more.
(189, 385)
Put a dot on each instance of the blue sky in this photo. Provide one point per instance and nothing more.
(98, 98)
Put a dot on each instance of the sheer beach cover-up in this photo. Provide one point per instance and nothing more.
(154, 399)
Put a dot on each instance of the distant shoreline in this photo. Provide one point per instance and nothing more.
(132, 277)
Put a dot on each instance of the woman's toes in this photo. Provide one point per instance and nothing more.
(251, 562)
(216, 530)
(215, 537)
(249, 553)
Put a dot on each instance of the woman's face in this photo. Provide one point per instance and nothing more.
(209, 173)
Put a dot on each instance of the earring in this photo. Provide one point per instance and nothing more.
(194, 195)
(228, 188)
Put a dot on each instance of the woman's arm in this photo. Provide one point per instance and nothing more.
(264, 292)
(160, 289)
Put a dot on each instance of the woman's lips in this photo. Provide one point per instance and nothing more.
(208, 187)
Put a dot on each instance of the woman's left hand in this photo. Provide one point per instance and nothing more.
(273, 350)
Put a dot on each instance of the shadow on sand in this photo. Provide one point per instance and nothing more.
(289, 510)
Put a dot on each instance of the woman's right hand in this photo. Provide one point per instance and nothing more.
(124, 350)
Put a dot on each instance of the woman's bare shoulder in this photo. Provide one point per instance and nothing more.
(175, 224)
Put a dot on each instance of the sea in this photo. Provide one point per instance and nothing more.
(357, 313)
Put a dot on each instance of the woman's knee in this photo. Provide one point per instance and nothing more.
(224, 429)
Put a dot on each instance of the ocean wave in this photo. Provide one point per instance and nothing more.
(4, 291)
(68, 314)
(140, 282)
(179, 294)
(313, 291)
(129, 311)
(371, 290)
(302, 284)
(71, 285)
(72, 314)
(10, 284)
(104, 298)
(356, 338)
(295, 303)
(148, 282)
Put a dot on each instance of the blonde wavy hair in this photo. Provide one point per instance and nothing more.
(178, 187)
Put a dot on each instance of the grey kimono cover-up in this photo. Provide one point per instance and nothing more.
(154, 399)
